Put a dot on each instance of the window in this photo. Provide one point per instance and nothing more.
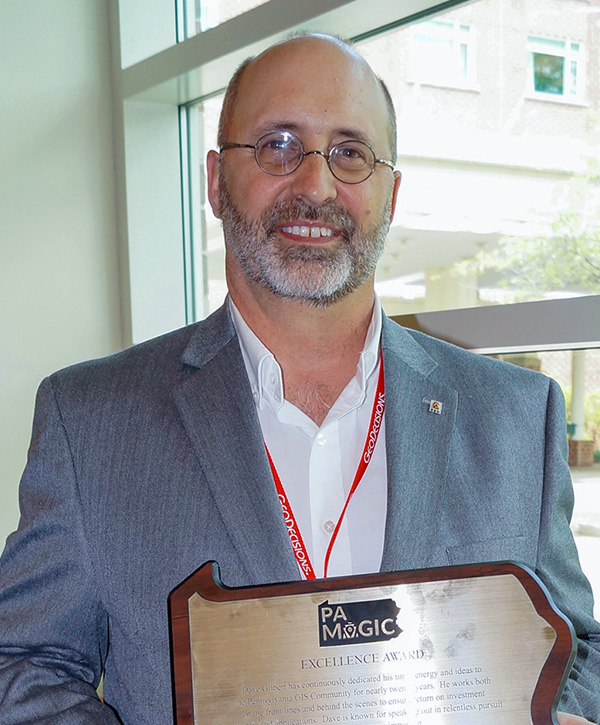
(442, 53)
(500, 199)
(555, 68)
(485, 216)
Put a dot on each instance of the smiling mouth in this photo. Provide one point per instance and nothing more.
(309, 232)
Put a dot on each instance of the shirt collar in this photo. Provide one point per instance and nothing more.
(264, 372)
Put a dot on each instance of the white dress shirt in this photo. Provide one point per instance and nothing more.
(317, 465)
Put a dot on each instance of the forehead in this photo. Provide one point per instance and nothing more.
(314, 86)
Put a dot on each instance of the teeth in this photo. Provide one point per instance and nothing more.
(304, 231)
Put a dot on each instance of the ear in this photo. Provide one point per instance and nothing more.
(212, 179)
(397, 180)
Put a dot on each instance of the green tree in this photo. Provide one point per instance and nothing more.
(567, 258)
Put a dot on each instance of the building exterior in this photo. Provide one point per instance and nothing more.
(498, 106)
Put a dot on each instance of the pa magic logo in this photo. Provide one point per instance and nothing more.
(358, 622)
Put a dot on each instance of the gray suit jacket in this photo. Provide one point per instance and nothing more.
(146, 464)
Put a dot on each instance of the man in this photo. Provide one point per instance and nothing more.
(147, 464)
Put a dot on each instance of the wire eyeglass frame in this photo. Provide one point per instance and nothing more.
(358, 154)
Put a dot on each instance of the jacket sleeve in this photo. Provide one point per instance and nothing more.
(53, 628)
(558, 567)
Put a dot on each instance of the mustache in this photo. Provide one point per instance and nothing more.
(328, 213)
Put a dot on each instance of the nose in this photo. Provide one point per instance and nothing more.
(313, 180)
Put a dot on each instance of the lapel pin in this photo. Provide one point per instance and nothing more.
(435, 406)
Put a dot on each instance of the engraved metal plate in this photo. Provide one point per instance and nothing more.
(479, 644)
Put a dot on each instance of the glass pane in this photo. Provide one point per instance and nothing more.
(433, 59)
(500, 198)
(439, 27)
(202, 15)
(208, 250)
(578, 374)
(439, 53)
(548, 73)
(463, 60)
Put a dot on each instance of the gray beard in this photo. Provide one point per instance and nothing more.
(317, 276)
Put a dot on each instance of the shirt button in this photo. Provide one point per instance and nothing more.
(329, 527)
(255, 395)
(273, 378)
(321, 439)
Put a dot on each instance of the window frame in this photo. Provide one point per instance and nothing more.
(458, 39)
(535, 45)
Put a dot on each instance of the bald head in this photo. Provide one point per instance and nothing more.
(293, 55)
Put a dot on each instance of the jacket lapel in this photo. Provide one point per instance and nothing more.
(418, 444)
(217, 410)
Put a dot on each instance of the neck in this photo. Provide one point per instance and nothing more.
(317, 348)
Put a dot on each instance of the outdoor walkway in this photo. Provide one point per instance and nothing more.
(586, 524)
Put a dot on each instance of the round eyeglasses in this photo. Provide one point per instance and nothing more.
(279, 153)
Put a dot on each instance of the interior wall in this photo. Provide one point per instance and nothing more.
(59, 290)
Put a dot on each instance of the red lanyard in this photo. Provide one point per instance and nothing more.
(296, 540)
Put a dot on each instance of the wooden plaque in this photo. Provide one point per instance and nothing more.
(479, 644)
